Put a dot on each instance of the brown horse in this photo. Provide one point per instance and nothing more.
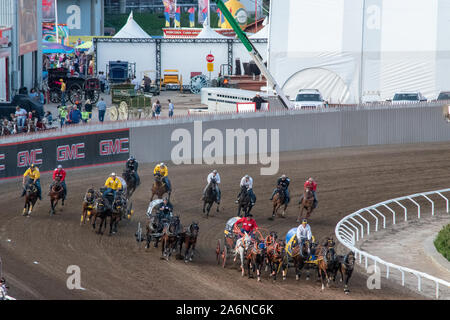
(346, 265)
(31, 196)
(159, 188)
(301, 254)
(88, 206)
(277, 258)
(169, 238)
(279, 199)
(189, 239)
(56, 193)
(307, 202)
(255, 258)
(326, 259)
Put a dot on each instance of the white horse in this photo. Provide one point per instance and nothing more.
(242, 244)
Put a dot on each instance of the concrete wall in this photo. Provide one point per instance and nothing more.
(310, 130)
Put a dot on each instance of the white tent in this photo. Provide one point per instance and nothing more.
(131, 30)
(352, 49)
(208, 33)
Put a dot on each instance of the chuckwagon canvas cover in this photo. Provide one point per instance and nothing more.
(349, 49)
(290, 236)
(230, 224)
(153, 204)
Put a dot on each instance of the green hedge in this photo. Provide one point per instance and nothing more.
(442, 242)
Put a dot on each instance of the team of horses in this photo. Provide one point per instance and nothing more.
(255, 253)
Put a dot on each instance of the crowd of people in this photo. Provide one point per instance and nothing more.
(77, 63)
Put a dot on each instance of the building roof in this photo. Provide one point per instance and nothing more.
(131, 30)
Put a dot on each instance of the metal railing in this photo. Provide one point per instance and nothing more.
(357, 225)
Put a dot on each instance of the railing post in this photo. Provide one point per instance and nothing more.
(446, 199)
(384, 217)
(387, 271)
(393, 213)
(376, 219)
(418, 206)
(404, 208)
(437, 290)
(432, 204)
(368, 224)
(403, 277)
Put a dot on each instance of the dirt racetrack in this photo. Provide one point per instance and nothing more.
(115, 268)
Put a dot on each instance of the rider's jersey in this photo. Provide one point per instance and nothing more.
(162, 171)
(114, 184)
(133, 165)
(311, 185)
(304, 232)
(59, 173)
(247, 224)
(283, 183)
(211, 175)
(32, 174)
(248, 184)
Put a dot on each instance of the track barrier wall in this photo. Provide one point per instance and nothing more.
(151, 140)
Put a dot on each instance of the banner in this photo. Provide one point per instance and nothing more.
(71, 151)
(169, 7)
(191, 12)
(48, 10)
(27, 26)
(49, 33)
(202, 10)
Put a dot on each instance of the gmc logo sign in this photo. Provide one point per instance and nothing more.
(110, 147)
(2, 166)
(67, 152)
(26, 158)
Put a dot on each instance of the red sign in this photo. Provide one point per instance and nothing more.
(210, 58)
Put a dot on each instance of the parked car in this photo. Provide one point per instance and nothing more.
(24, 101)
(309, 99)
(408, 97)
(443, 95)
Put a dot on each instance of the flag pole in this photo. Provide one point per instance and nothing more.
(56, 21)
(209, 21)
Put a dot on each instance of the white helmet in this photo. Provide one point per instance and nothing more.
(162, 164)
(59, 166)
(247, 176)
(113, 174)
(214, 171)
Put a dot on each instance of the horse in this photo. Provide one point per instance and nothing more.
(189, 239)
(307, 202)
(276, 255)
(104, 210)
(245, 202)
(327, 258)
(279, 199)
(242, 245)
(119, 208)
(88, 206)
(159, 188)
(169, 238)
(130, 179)
(56, 193)
(270, 239)
(210, 197)
(346, 265)
(255, 258)
(154, 226)
(31, 196)
(301, 254)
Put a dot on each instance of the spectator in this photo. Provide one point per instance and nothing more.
(21, 116)
(101, 105)
(62, 115)
(75, 115)
(88, 107)
(258, 101)
(153, 110)
(171, 107)
(102, 79)
(63, 91)
(84, 115)
(33, 94)
(41, 97)
(157, 109)
(49, 118)
(136, 84)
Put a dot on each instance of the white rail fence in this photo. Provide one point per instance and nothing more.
(359, 224)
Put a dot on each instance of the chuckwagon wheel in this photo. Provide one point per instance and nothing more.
(218, 251)
(55, 95)
(75, 93)
(224, 255)
(123, 111)
(93, 95)
(130, 211)
(139, 234)
(113, 113)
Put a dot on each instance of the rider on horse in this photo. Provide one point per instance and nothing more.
(161, 169)
(132, 166)
(33, 175)
(112, 184)
(304, 233)
(311, 185)
(247, 181)
(165, 210)
(61, 174)
(283, 182)
(213, 175)
(248, 225)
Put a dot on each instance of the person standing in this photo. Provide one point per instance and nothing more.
(171, 107)
(157, 109)
(62, 115)
(63, 91)
(88, 108)
(136, 84)
(84, 115)
(258, 101)
(101, 105)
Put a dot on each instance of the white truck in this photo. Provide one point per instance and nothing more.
(308, 99)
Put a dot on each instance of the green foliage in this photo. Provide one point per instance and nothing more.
(442, 242)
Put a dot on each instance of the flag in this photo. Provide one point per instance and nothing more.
(177, 17)
(203, 10)
(167, 15)
(219, 15)
(191, 12)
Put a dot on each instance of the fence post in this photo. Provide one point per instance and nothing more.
(418, 206)
(404, 208)
(432, 204)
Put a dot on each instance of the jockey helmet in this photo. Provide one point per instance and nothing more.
(283, 176)
(311, 179)
(32, 165)
(113, 174)
(2, 280)
(304, 221)
(162, 164)
(165, 199)
(247, 176)
(131, 158)
(214, 171)
(59, 166)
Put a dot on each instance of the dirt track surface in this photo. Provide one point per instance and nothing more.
(115, 268)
